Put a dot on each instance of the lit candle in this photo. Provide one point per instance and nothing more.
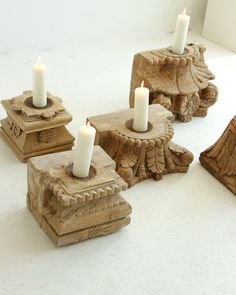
(181, 31)
(84, 150)
(39, 84)
(141, 102)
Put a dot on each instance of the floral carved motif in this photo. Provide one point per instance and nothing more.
(16, 131)
(137, 159)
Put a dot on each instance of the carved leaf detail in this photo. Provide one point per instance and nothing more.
(224, 150)
(16, 131)
(169, 163)
(16, 107)
(48, 114)
(156, 159)
(165, 101)
(176, 148)
(129, 158)
(180, 155)
(112, 145)
(188, 104)
(209, 95)
(141, 171)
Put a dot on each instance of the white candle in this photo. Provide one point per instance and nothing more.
(181, 31)
(84, 150)
(141, 103)
(39, 84)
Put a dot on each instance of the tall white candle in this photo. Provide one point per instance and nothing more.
(141, 103)
(181, 31)
(84, 150)
(39, 84)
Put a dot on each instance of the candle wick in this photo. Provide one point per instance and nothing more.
(184, 11)
(142, 84)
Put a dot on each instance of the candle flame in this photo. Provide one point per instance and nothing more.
(39, 60)
(142, 83)
(88, 124)
(184, 11)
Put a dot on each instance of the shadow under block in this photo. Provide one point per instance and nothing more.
(141, 155)
(178, 82)
(31, 131)
(220, 158)
(70, 209)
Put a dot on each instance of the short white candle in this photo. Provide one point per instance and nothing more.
(141, 103)
(39, 84)
(84, 150)
(181, 31)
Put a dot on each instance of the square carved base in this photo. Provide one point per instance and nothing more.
(69, 209)
(31, 131)
(141, 155)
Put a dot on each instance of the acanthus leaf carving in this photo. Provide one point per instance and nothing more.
(156, 159)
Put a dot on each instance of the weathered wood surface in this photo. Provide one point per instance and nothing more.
(220, 158)
(141, 155)
(178, 82)
(69, 209)
(31, 131)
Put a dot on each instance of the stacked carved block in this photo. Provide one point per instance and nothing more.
(31, 131)
(70, 209)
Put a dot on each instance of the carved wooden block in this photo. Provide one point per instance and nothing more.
(178, 82)
(141, 155)
(31, 131)
(220, 158)
(70, 209)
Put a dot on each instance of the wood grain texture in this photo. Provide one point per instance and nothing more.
(69, 209)
(178, 82)
(31, 131)
(220, 158)
(141, 155)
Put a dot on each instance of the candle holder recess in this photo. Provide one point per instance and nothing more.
(31, 131)
(178, 82)
(70, 209)
(141, 155)
(220, 158)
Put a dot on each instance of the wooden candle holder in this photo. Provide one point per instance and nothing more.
(178, 82)
(220, 158)
(31, 131)
(141, 155)
(70, 209)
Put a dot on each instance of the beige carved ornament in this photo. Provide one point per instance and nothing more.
(31, 131)
(70, 209)
(220, 158)
(139, 156)
(178, 82)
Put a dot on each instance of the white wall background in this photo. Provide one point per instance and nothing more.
(49, 24)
